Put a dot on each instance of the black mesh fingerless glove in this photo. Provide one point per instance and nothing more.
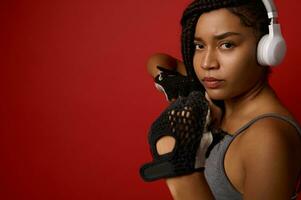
(186, 120)
(174, 84)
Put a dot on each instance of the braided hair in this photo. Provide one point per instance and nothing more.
(252, 13)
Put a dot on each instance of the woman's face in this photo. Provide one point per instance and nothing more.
(225, 55)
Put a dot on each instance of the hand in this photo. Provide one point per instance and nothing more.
(187, 121)
(173, 84)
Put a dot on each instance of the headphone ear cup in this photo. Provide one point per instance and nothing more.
(261, 50)
(276, 50)
(271, 47)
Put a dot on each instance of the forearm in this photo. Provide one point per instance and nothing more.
(190, 187)
(165, 61)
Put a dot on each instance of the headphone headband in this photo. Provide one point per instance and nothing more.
(271, 8)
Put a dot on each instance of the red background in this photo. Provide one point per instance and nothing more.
(76, 100)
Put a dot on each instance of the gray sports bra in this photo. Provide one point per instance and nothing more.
(215, 174)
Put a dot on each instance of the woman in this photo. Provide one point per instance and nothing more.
(260, 156)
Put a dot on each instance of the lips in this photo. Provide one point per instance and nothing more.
(212, 83)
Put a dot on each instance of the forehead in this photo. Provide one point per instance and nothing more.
(219, 21)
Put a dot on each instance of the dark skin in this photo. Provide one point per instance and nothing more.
(166, 61)
(263, 162)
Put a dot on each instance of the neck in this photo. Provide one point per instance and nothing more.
(241, 104)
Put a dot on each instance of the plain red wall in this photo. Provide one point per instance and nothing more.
(76, 101)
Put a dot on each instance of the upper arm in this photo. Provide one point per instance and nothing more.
(166, 61)
(271, 160)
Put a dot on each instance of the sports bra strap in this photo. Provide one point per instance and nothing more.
(275, 115)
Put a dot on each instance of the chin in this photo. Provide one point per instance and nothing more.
(216, 94)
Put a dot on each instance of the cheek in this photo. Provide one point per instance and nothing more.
(242, 71)
(239, 64)
(242, 56)
(197, 65)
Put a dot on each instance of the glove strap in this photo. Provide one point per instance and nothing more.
(156, 170)
(163, 169)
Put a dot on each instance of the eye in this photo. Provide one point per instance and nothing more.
(198, 46)
(227, 45)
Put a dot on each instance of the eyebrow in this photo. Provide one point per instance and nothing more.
(220, 36)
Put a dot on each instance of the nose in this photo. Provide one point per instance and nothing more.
(209, 61)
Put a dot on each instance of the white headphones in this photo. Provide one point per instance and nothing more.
(271, 47)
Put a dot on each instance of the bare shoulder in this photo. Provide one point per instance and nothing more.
(274, 134)
(271, 153)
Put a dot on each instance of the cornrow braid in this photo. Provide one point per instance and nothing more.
(190, 17)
